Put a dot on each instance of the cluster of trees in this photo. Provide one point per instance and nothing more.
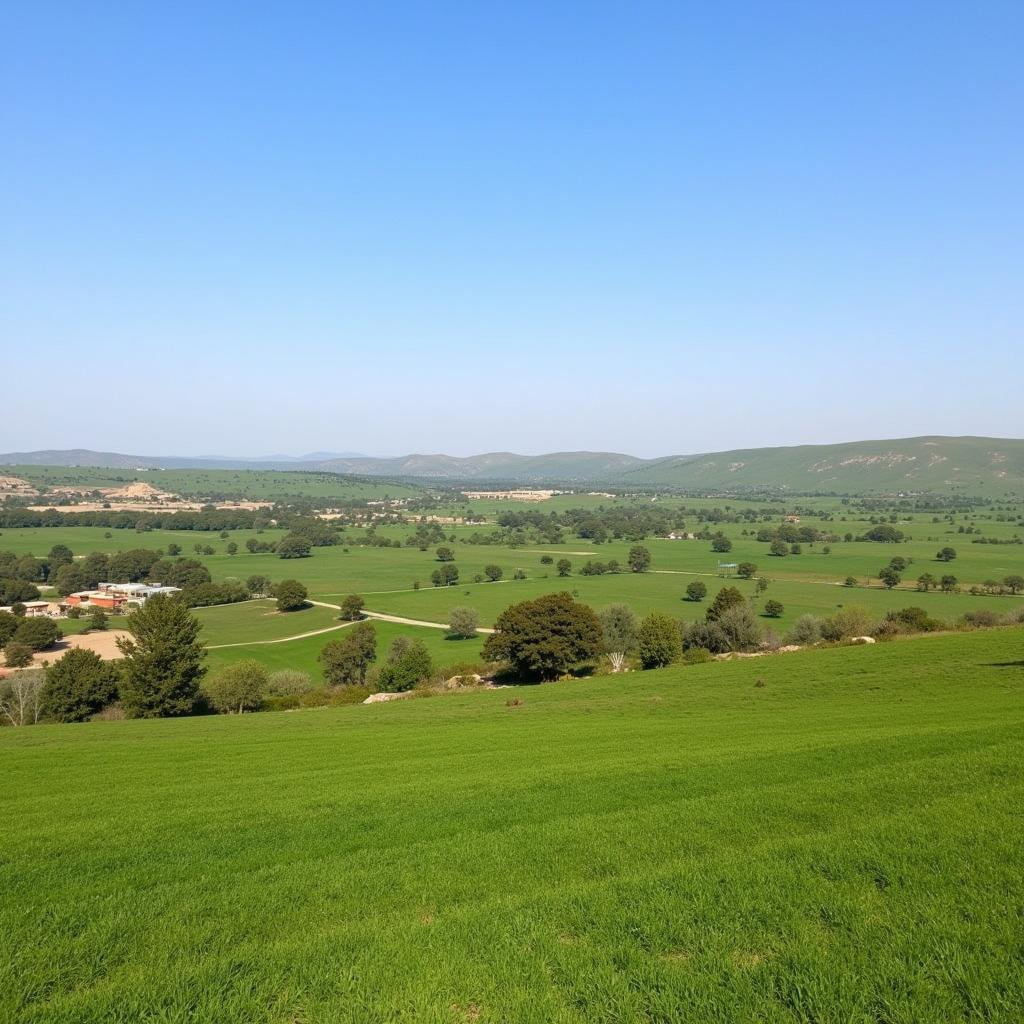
(349, 660)
(21, 637)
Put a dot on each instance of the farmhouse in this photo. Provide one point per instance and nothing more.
(681, 535)
(35, 609)
(115, 596)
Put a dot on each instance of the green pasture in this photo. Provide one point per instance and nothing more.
(302, 654)
(260, 620)
(665, 591)
(822, 836)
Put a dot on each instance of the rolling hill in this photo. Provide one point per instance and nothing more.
(981, 465)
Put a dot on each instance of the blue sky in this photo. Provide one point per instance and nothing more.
(651, 228)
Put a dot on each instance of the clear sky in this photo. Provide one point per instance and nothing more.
(643, 227)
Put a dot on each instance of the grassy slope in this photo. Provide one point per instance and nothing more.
(843, 843)
(970, 464)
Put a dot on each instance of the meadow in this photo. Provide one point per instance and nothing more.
(821, 836)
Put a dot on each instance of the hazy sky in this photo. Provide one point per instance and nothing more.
(644, 227)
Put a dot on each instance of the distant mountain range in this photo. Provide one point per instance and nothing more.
(968, 464)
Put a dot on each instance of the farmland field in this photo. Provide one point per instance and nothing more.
(827, 835)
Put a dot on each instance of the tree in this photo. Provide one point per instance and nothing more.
(163, 660)
(546, 560)
(1014, 583)
(696, 591)
(639, 558)
(60, 554)
(778, 549)
(564, 567)
(658, 640)
(77, 685)
(232, 548)
(740, 627)
(774, 609)
(806, 630)
(948, 584)
(293, 546)
(899, 563)
(237, 688)
(727, 597)
(721, 544)
(98, 620)
(493, 573)
(173, 549)
(946, 554)
(445, 576)
(17, 654)
(258, 586)
(762, 584)
(8, 627)
(619, 630)
(70, 578)
(850, 581)
(291, 595)
(408, 664)
(21, 697)
(462, 623)
(544, 638)
(352, 608)
(445, 554)
(890, 577)
(746, 570)
(926, 581)
(883, 533)
(38, 633)
(347, 660)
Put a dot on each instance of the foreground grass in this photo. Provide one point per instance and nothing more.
(843, 843)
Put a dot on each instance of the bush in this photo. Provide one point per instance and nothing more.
(696, 656)
(806, 630)
(98, 620)
(741, 628)
(462, 623)
(288, 682)
(37, 633)
(774, 609)
(696, 591)
(291, 595)
(408, 664)
(237, 688)
(17, 654)
(846, 623)
(493, 573)
(658, 641)
(707, 635)
(981, 618)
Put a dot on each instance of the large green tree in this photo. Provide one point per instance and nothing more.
(347, 660)
(163, 660)
(237, 688)
(543, 638)
(77, 685)
(408, 664)
(658, 641)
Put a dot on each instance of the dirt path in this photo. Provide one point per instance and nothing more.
(283, 639)
(384, 617)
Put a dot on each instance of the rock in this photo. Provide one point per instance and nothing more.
(457, 682)
(862, 640)
(380, 698)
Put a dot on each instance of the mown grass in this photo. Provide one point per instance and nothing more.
(842, 843)
(303, 654)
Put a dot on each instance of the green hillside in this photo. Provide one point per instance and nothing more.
(966, 464)
(821, 836)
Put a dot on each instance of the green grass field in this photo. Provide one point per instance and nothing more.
(841, 843)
